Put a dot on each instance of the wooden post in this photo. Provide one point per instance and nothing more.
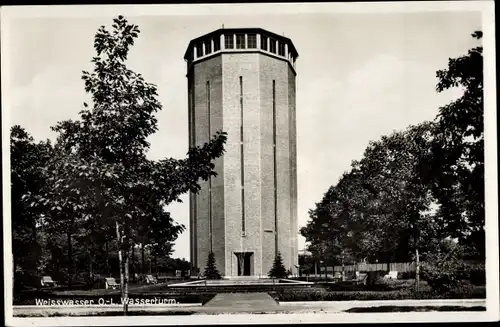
(417, 271)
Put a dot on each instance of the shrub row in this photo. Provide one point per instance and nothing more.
(380, 286)
(406, 275)
(324, 295)
(414, 309)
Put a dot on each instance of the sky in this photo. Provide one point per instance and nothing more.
(359, 76)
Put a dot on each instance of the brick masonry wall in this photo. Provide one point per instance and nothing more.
(247, 66)
(257, 71)
(209, 71)
(293, 170)
(267, 74)
(273, 69)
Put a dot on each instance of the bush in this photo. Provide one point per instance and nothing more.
(375, 277)
(477, 275)
(312, 294)
(390, 308)
(278, 269)
(211, 271)
(406, 275)
(393, 285)
(377, 284)
(440, 279)
(447, 270)
(445, 275)
(345, 286)
(26, 280)
(318, 295)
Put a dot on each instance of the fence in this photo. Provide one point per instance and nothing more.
(395, 266)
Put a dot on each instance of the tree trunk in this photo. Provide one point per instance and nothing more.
(143, 259)
(343, 270)
(125, 286)
(121, 264)
(91, 269)
(70, 259)
(107, 257)
(37, 246)
(417, 272)
(156, 265)
(133, 270)
(14, 265)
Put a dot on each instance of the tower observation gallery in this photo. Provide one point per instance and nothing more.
(242, 81)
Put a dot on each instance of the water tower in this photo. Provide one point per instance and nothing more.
(242, 81)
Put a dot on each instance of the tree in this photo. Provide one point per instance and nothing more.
(278, 269)
(70, 200)
(445, 268)
(211, 271)
(28, 161)
(306, 263)
(381, 208)
(107, 148)
(378, 210)
(455, 170)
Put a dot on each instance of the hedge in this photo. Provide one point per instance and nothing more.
(315, 294)
(382, 285)
(381, 309)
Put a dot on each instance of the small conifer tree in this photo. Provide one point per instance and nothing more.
(211, 271)
(278, 270)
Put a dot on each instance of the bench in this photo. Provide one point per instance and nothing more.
(391, 275)
(48, 281)
(150, 279)
(337, 277)
(360, 278)
(111, 283)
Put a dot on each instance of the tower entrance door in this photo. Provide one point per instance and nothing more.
(245, 263)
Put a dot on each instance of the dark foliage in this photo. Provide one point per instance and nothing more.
(211, 271)
(414, 309)
(278, 269)
(384, 207)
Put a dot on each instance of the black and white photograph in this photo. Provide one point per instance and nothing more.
(183, 164)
